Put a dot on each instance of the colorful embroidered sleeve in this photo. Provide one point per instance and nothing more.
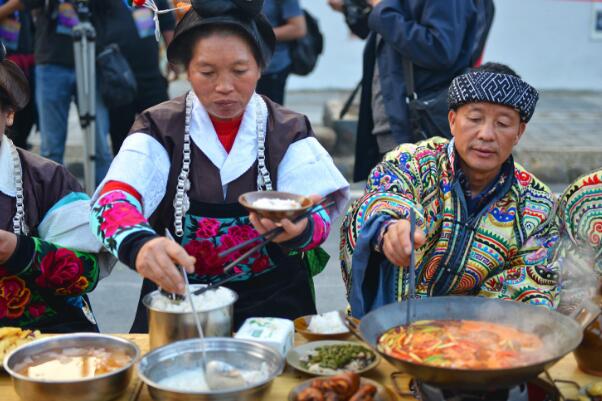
(48, 266)
(117, 219)
(394, 186)
(530, 276)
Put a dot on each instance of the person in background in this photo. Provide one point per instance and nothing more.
(437, 36)
(134, 31)
(17, 34)
(55, 78)
(485, 225)
(288, 21)
(49, 259)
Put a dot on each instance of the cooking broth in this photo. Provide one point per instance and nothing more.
(463, 344)
(73, 364)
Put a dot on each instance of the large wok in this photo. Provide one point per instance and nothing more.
(560, 334)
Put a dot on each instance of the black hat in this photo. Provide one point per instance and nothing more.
(244, 14)
(13, 83)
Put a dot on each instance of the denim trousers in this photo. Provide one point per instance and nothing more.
(55, 88)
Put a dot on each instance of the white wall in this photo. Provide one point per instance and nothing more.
(340, 65)
(548, 42)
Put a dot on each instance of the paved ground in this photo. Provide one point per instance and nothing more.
(562, 141)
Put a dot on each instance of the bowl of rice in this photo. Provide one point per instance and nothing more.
(170, 321)
(275, 205)
(326, 326)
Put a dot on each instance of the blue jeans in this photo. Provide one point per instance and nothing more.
(55, 88)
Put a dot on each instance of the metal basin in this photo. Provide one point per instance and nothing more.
(186, 355)
(99, 388)
(165, 327)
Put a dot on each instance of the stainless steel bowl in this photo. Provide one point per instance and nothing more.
(166, 327)
(99, 388)
(185, 355)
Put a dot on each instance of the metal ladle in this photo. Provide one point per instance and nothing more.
(218, 374)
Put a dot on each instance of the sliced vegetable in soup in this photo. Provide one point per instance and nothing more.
(462, 344)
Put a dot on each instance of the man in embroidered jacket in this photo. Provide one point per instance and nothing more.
(484, 224)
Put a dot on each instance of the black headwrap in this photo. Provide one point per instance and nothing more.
(14, 87)
(244, 14)
(493, 87)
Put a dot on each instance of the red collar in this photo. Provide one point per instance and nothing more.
(226, 130)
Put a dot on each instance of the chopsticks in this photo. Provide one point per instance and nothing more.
(264, 239)
(268, 236)
(412, 272)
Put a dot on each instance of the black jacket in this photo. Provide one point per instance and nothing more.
(438, 36)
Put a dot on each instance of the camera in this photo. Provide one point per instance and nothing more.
(356, 16)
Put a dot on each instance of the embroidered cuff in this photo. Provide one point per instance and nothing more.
(301, 240)
(22, 256)
(130, 246)
(378, 240)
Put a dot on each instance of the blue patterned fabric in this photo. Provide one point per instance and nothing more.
(492, 87)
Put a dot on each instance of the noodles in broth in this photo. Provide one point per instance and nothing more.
(462, 344)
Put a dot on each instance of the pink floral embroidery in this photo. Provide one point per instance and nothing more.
(121, 215)
(208, 228)
(260, 264)
(207, 259)
(111, 197)
(228, 242)
(60, 269)
(36, 310)
(243, 233)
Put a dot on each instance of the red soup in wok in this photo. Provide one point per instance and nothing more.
(462, 344)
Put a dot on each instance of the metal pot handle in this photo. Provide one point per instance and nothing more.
(398, 389)
(586, 313)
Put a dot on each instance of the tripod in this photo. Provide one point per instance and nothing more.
(84, 51)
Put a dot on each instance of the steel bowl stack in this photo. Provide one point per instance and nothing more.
(186, 355)
(98, 388)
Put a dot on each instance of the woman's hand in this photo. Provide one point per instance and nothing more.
(8, 244)
(396, 242)
(291, 230)
(157, 260)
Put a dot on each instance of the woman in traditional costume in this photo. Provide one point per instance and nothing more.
(48, 256)
(186, 161)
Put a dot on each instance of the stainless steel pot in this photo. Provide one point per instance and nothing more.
(184, 356)
(98, 388)
(165, 327)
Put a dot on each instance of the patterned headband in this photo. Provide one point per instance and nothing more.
(493, 87)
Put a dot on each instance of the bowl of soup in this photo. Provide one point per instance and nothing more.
(72, 367)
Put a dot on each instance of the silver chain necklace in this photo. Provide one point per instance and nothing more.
(19, 226)
(181, 201)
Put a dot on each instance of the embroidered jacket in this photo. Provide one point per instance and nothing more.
(58, 261)
(503, 251)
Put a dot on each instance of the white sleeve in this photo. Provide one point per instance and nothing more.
(307, 168)
(66, 224)
(142, 163)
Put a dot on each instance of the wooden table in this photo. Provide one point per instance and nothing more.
(565, 369)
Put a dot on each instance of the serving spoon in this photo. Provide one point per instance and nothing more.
(218, 374)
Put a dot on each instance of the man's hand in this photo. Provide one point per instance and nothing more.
(157, 261)
(8, 244)
(396, 242)
(336, 5)
(291, 230)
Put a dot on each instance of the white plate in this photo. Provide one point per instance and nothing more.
(294, 356)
